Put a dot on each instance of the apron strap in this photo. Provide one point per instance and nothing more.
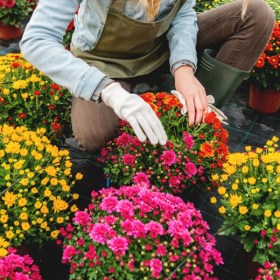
(118, 5)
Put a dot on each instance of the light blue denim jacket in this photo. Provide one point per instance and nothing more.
(41, 41)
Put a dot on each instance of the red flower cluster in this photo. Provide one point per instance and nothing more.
(266, 72)
(190, 157)
(138, 233)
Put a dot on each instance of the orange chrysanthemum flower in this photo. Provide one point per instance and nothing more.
(207, 150)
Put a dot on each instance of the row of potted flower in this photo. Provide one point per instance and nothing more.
(192, 159)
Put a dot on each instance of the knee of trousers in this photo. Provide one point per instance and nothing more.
(93, 124)
(261, 15)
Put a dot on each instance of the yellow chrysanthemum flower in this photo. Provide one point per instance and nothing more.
(247, 227)
(54, 234)
(252, 181)
(23, 216)
(25, 226)
(6, 91)
(222, 190)
(244, 169)
(12, 148)
(4, 243)
(234, 200)
(222, 210)
(267, 213)
(243, 210)
(9, 198)
(277, 214)
(20, 84)
(22, 202)
(237, 158)
(59, 205)
(256, 162)
(213, 200)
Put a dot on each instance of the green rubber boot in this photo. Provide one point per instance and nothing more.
(219, 79)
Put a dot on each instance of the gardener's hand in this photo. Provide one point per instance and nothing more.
(134, 110)
(192, 90)
(210, 106)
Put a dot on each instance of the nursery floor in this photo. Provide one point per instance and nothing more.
(246, 127)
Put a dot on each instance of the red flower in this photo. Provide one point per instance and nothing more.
(10, 3)
(55, 87)
(15, 64)
(56, 126)
(37, 92)
(274, 61)
(51, 107)
(261, 61)
(22, 115)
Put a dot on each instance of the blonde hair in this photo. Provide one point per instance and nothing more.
(244, 8)
(152, 7)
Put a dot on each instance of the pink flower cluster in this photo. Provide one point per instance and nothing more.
(7, 4)
(16, 267)
(139, 232)
(190, 157)
(269, 271)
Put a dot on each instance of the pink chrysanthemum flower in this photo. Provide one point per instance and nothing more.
(168, 157)
(129, 159)
(100, 233)
(190, 169)
(156, 267)
(141, 178)
(109, 204)
(188, 139)
(82, 218)
(118, 245)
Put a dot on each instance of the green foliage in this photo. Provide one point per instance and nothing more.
(16, 12)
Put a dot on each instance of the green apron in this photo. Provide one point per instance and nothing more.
(127, 47)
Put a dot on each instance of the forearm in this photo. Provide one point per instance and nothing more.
(182, 36)
(41, 46)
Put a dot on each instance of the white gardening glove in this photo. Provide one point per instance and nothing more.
(133, 109)
(211, 108)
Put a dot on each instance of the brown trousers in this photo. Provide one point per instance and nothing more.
(239, 44)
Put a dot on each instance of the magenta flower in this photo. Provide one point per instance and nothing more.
(100, 233)
(118, 245)
(190, 169)
(125, 208)
(156, 267)
(109, 204)
(68, 253)
(124, 139)
(155, 229)
(141, 179)
(168, 157)
(129, 159)
(188, 139)
(161, 250)
(82, 218)
(174, 181)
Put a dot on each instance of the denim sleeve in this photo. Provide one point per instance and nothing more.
(41, 46)
(182, 35)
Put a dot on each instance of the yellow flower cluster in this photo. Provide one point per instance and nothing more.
(248, 196)
(35, 186)
(30, 98)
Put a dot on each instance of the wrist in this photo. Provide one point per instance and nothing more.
(183, 72)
